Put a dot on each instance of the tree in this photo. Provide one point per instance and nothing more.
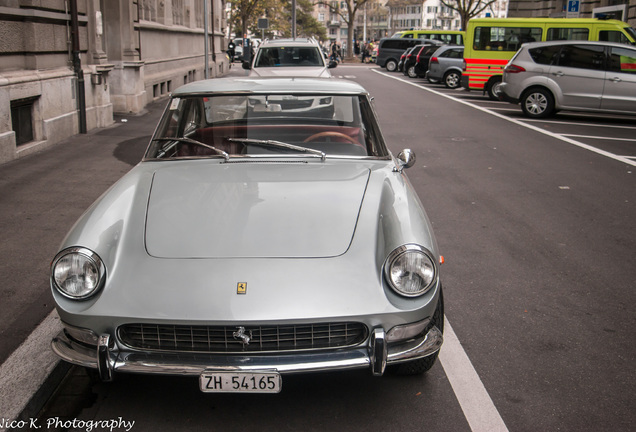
(245, 11)
(348, 15)
(279, 14)
(467, 9)
(245, 14)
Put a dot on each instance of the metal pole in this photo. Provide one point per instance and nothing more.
(77, 67)
(206, 72)
(293, 19)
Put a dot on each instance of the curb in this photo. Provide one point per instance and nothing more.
(32, 372)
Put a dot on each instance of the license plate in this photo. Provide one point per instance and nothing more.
(240, 382)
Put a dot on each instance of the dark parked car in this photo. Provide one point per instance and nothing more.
(400, 65)
(390, 50)
(409, 60)
(421, 61)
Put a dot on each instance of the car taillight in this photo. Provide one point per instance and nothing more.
(513, 69)
(434, 60)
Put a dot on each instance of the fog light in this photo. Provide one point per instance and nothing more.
(84, 336)
(407, 331)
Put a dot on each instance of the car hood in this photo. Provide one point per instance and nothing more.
(300, 71)
(254, 210)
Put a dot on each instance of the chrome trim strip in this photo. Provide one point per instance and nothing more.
(430, 344)
(194, 364)
(104, 365)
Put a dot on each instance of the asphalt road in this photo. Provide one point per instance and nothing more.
(539, 238)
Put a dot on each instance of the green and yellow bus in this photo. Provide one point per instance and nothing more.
(451, 37)
(491, 42)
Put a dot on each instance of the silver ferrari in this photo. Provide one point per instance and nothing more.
(268, 230)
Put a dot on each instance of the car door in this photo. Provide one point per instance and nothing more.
(580, 75)
(619, 92)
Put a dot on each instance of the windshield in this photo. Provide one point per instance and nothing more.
(284, 56)
(225, 126)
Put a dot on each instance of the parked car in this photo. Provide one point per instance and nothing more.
(421, 60)
(400, 65)
(411, 58)
(546, 77)
(446, 66)
(390, 50)
(290, 57)
(268, 230)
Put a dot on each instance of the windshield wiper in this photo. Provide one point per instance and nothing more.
(279, 144)
(163, 152)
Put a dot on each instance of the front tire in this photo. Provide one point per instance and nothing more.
(537, 103)
(391, 65)
(453, 79)
(422, 365)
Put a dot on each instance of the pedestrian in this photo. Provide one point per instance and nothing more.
(356, 48)
(231, 50)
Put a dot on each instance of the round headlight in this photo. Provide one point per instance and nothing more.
(77, 273)
(410, 270)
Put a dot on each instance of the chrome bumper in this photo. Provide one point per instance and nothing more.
(376, 355)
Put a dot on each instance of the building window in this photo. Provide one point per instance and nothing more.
(22, 119)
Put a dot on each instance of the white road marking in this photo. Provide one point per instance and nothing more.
(598, 137)
(518, 122)
(579, 124)
(478, 407)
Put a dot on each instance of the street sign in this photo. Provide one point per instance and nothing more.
(263, 23)
(573, 9)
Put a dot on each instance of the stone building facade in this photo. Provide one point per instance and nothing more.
(129, 52)
(624, 10)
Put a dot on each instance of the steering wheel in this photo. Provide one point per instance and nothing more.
(331, 134)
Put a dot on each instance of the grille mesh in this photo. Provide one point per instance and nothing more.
(221, 339)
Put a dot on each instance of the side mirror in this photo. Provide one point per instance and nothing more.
(332, 64)
(247, 65)
(406, 159)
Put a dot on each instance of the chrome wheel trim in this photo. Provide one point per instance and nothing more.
(536, 103)
(452, 80)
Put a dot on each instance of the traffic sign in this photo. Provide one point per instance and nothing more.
(573, 9)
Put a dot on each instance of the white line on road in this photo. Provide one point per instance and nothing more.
(579, 124)
(517, 122)
(478, 407)
(598, 137)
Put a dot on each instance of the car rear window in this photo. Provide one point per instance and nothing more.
(546, 55)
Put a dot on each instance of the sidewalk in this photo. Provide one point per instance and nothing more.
(41, 197)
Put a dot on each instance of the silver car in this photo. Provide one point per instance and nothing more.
(572, 75)
(446, 66)
(300, 57)
(268, 230)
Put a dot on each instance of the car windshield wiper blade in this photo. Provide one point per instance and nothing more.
(279, 144)
(191, 141)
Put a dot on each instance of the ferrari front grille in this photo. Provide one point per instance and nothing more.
(249, 338)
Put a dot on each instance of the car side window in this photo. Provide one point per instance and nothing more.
(454, 53)
(567, 34)
(622, 60)
(545, 55)
(582, 57)
(613, 36)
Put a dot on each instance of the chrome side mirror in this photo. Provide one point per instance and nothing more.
(405, 159)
